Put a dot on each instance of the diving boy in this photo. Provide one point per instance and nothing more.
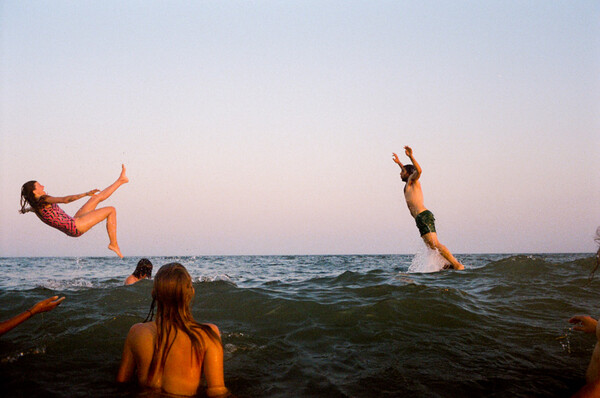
(424, 218)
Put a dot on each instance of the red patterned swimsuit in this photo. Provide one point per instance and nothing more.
(57, 218)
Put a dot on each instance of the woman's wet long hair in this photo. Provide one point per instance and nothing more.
(171, 297)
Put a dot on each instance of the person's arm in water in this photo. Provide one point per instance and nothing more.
(213, 367)
(417, 173)
(587, 324)
(42, 306)
(590, 390)
(68, 199)
(137, 354)
(127, 366)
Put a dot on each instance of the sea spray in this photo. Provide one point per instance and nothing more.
(427, 260)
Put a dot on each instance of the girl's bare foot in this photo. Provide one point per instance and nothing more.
(123, 178)
(116, 249)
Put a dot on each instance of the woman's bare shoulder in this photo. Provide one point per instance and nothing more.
(213, 327)
(142, 330)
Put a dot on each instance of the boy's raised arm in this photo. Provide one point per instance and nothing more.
(409, 153)
(397, 161)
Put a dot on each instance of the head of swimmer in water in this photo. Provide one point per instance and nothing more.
(31, 192)
(143, 269)
(407, 171)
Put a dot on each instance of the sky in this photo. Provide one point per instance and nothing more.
(267, 127)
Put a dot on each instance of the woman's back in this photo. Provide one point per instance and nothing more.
(182, 371)
(174, 352)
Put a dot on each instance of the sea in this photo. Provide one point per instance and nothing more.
(316, 326)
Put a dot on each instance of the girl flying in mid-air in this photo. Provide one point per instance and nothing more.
(34, 198)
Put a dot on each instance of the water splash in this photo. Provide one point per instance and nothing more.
(73, 284)
(215, 278)
(427, 260)
(15, 356)
(565, 341)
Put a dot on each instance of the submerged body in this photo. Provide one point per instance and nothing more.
(174, 353)
(143, 270)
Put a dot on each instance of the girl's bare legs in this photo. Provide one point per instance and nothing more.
(91, 204)
(88, 215)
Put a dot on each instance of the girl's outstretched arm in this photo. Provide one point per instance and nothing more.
(42, 306)
(68, 199)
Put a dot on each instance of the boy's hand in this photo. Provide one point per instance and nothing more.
(408, 151)
(395, 158)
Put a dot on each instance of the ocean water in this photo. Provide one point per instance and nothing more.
(316, 326)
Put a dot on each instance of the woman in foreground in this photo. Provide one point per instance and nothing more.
(35, 199)
(172, 353)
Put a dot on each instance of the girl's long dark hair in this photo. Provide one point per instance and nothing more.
(28, 200)
(171, 297)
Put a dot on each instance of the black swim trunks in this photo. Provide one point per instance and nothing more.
(425, 222)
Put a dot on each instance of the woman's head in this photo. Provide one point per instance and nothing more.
(173, 292)
(143, 269)
(31, 192)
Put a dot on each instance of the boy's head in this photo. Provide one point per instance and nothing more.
(407, 171)
(143, 269)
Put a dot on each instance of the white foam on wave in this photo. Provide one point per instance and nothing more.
(72, 284)
(16, 356)
(215, 278)
(427, 260)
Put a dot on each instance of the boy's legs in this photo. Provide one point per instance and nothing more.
(432, 242)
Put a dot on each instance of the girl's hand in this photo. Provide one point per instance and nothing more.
(92, 192)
